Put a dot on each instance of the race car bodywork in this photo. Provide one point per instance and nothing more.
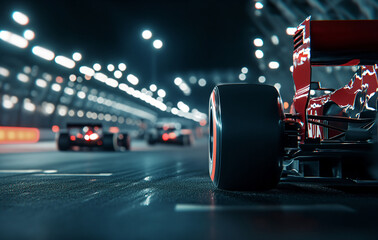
(91, 136)
(173, 133)
(331, 135)
(343, 43)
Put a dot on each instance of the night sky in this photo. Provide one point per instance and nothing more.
(199, 36)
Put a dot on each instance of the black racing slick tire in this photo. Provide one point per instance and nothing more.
(63, 142)
(246, 137)
(151, 140)
(126, 141)
(189, 140)
(110, 142)
(185, 140)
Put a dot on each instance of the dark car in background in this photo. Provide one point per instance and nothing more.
(170, 132)
(91, 136)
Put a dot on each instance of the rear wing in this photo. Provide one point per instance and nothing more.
(338, 42)
(322, 43)
(350, 42)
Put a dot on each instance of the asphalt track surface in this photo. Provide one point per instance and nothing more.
(164, 192)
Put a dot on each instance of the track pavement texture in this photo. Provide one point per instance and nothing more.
(164, 192)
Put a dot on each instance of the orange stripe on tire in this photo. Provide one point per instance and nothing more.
(214, 138)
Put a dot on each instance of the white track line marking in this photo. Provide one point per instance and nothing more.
(53, 172)
(75, 174)
(21, 171)
(263, 208)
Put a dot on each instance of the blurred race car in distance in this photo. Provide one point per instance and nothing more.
(91, 136)
(173, 132)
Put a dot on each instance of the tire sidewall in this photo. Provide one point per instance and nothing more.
(246, 125)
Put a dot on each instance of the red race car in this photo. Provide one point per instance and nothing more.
(171, 133)
(91, 136)
(253, 143)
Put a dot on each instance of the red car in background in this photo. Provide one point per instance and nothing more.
(171, 133)
(91, 136)
(253, 143)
